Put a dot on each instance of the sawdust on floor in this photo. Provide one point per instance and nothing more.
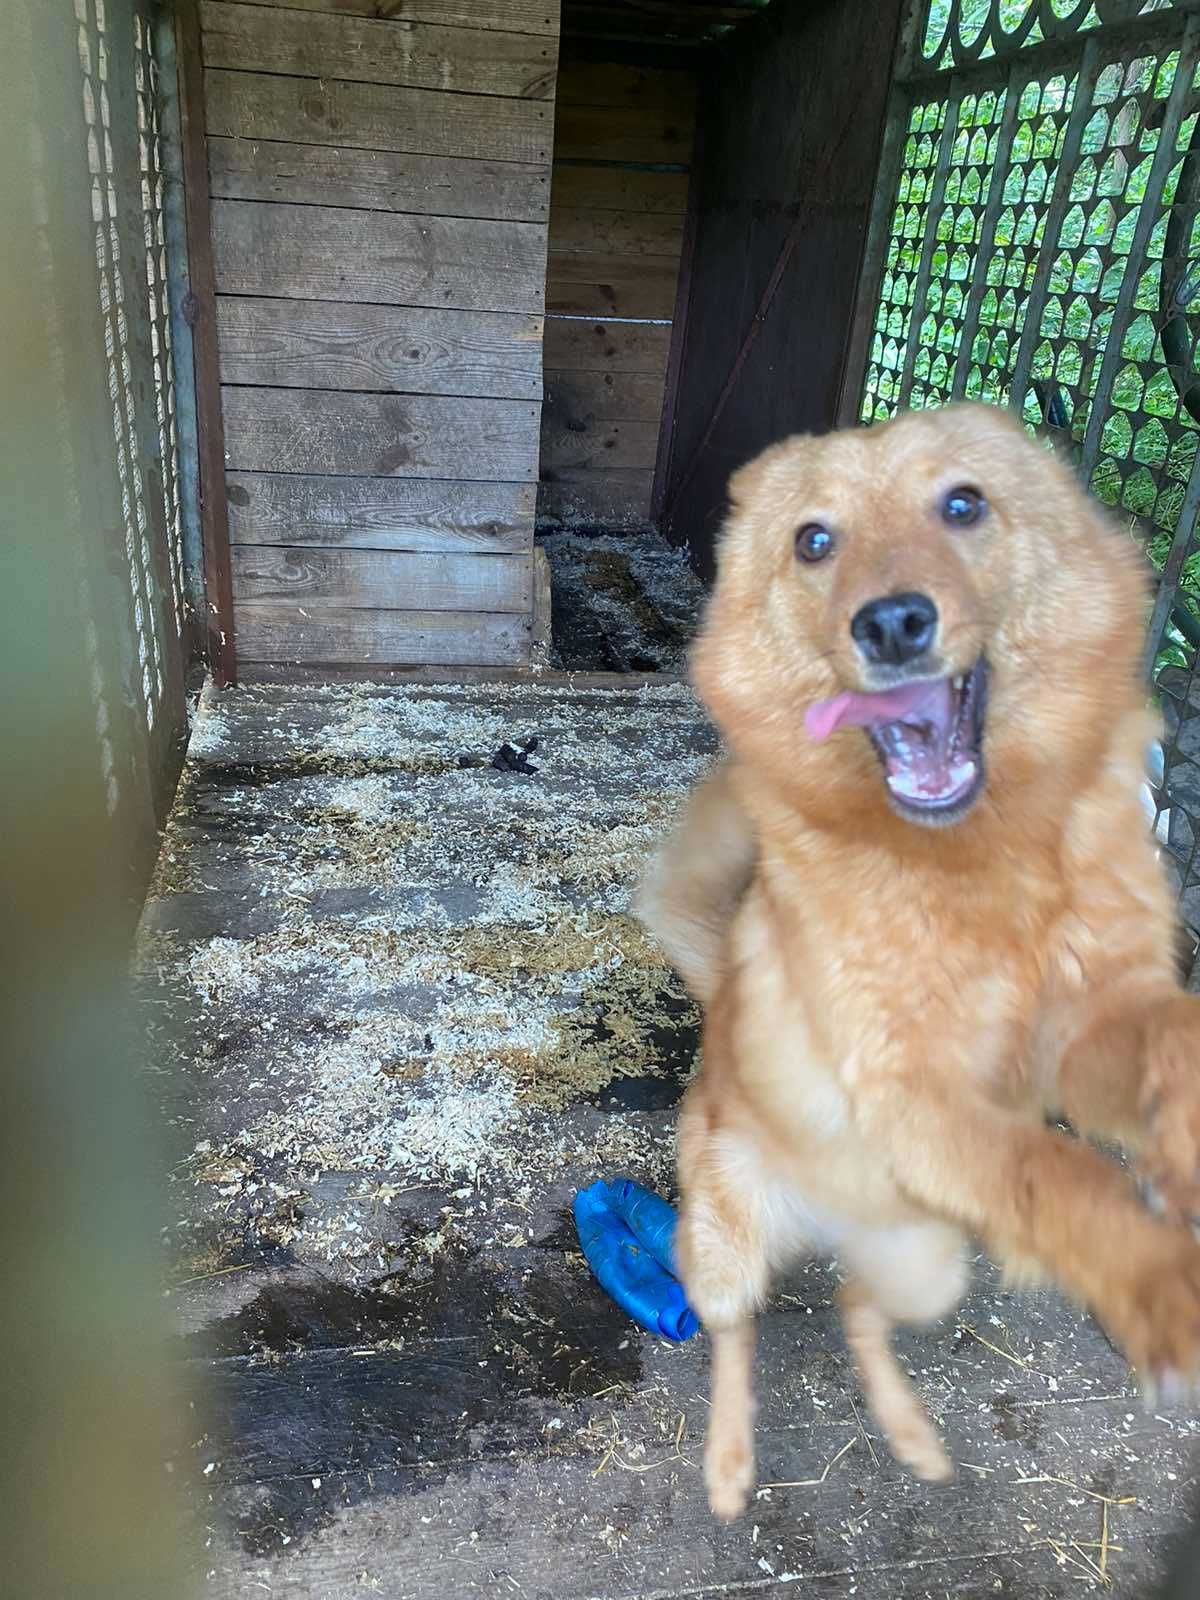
(439, 1034)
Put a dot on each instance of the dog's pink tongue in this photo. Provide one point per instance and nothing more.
(850, 709)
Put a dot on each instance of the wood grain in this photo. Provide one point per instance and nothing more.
(337, 634)
(578, 230)
(789, 175)
(317, 344)
(572, 345)
(620, 189)
(417, 55)
(613, 83)
(519, 16)
(628, 133)
(251, 105)
(378, 180)
(383, 579)
(612, 286)
(323, 253)
(380, 435)
(596, 500)
(597, 446)
(573, 398)
(380, 513)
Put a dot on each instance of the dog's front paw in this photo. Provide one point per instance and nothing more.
(1170, 1105)
(1153, 1312)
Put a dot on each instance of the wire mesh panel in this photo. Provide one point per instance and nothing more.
(123, 157)
(138, 636)
(1042, 251)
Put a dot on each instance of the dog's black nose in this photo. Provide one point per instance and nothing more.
(895, 628)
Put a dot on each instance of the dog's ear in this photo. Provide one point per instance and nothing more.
(745, 481)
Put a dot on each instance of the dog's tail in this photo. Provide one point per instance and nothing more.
(694, 884)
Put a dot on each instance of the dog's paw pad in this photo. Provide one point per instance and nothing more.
(1170, 1390)
(919, 1448)
(729, 1474)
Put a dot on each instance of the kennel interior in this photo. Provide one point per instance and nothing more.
(336, 303)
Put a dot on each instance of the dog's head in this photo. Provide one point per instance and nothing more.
(935, 597)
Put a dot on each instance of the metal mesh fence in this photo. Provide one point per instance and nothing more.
(123, 158)
(1042, 251)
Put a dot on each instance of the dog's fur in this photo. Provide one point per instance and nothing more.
(892, 1010)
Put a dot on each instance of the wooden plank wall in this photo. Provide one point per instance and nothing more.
(794, 118)
(622, 153)
(380, 200)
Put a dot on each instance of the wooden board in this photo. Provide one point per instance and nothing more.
(273, 632)
(602, 133)
(579, 230)
(598, 447)
(612, 286)
(378, 180)
(595, 499)
(787, 194)
(417, 55)
(316, 344)
(615, 240)
(323, 253)
(581, 345)
(251, 105)
(613, 83)
(379, 513)
(380, 435)
(519, 16)
(620, 189)
(382, 579)
(573, 398)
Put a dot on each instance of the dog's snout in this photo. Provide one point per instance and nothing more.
(895, 628)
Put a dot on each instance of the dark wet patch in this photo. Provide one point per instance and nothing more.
(675, 1041)
(1019, 1424)
(322, 1395)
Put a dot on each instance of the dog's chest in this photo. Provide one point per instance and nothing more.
(917, 973)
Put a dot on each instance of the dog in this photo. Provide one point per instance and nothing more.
(920, 906)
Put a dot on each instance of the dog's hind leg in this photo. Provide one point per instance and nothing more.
(905, 1274)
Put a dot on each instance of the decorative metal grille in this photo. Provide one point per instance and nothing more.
(1042, 251)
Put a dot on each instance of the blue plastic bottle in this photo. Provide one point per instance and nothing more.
(627, 1235)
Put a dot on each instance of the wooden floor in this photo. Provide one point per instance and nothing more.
(401, 1015)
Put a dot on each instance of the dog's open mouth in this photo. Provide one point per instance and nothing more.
(928, 736)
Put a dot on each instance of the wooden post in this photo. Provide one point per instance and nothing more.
(201, 301)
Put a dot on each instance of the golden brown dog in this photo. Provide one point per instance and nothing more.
(922, 910)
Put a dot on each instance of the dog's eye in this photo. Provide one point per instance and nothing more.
(963, 507)
(814, 542)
